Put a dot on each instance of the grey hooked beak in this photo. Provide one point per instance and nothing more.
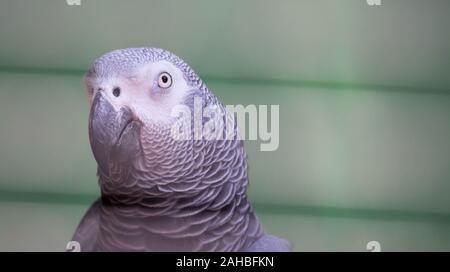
(114, 135)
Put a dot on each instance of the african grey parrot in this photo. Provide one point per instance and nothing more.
(160, 193)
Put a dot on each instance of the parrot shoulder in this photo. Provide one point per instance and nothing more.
(87, 230)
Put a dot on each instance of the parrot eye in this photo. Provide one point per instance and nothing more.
(164, 80)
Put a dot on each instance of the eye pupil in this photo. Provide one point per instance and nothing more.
(116, 91)
(164, 80)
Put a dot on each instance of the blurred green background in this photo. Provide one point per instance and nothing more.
(364, 106)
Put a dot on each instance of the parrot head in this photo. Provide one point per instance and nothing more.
(131, 94)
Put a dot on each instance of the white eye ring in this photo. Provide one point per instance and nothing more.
(164, 80)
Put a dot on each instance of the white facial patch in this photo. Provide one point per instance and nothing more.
(140, 91)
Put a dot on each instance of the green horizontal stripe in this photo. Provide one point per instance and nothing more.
(353, 213)
(282, 209)
(251, 81)
(46, 197)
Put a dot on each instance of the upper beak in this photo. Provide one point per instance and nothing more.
(114, 135)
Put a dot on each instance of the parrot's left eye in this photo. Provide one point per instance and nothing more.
(164, 80)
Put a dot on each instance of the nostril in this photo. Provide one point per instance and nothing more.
(116, 91)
